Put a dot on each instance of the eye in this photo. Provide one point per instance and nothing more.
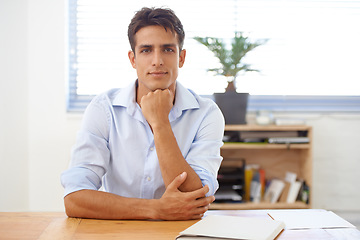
(169, 50)
(145, 50)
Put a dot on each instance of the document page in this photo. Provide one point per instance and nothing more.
(309, 218)
(233, 227)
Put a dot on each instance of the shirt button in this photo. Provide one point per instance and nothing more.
(151, 149)
(148, 179)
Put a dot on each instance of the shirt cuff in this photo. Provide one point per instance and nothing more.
(79, 178)
(211, 181)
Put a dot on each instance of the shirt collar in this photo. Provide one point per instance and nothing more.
(126, 97)
(184, 100)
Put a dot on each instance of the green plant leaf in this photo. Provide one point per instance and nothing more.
(231, 60)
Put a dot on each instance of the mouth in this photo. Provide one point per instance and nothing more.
(158, 73)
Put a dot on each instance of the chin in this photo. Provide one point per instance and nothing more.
(161, 86)
(154, 84)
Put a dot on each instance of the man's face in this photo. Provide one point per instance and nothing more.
(156, 59)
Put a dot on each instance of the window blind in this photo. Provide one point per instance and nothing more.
(311, 55)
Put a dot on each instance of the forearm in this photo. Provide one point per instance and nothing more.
(103, 205)
(171, 160)
(173, 205)
(156, 107)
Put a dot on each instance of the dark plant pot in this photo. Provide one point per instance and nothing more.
(233, 106)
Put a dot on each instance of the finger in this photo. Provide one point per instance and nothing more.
(169, 94)
(197, 216)
(200, 193)
(204, 202)
(201, 210)
(176, 183)
(167, 90)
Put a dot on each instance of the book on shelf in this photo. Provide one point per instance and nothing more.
(291, 189)
(247, 181)
(274, 190)
(254, 183)
(256, 188)
(290, 176)
(304, 193)
(262, 181)
(284, 192)
(257, 185)
(233, 227)
(290, 192)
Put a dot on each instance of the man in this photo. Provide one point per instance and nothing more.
(155, 145)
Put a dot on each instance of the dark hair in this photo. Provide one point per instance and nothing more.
(155, 16)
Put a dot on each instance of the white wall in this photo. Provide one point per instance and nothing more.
(36, 133)
(51, 130)
(336, 164)
(13, 106)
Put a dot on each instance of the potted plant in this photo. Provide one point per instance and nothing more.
(232, 104)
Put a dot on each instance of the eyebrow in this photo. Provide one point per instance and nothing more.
(145, 46)
(163, 45)
(169, 45)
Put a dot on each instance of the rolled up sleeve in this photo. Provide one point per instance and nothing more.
(204, 156)
(79, 178)
(90, 155)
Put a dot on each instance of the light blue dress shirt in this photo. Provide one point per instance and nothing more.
(115, 145)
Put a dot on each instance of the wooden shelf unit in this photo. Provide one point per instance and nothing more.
(275, 159)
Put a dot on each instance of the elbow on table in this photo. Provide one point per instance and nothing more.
(70, 206)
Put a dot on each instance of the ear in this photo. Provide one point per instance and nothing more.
(182, 58)
(131, 56)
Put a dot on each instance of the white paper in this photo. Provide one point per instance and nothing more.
(233, 227)
(309, 218)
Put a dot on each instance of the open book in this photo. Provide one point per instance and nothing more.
(233, 227)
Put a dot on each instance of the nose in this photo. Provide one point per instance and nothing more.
(157, 59)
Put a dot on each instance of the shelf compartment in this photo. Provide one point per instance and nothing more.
(251, 127)
(275, 159)
(264, 146)
(261, 205)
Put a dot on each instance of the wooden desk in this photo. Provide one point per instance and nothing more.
(26, 226)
